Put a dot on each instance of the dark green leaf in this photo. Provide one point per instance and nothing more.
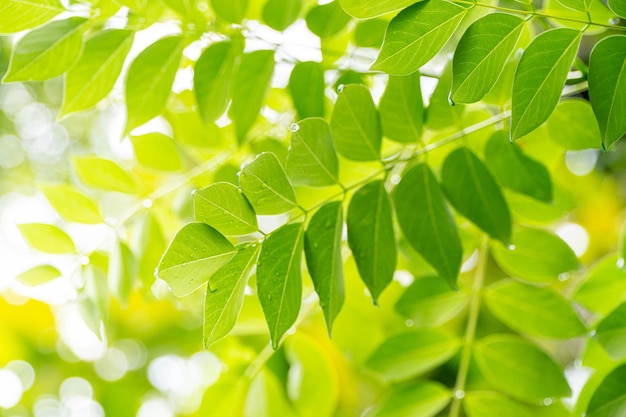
(365, 9)
(280, 14)
(416, 35)
(540, 77)
(574, 126)
(401, 109)
(265, 184)
(38, 275)
(492, 404)
(46, 238)
(322, 247)
(311, 159)
(481, 54)
(232, 11)
(224, 207)
(473, 192)
(355, 124)
(225, 294)
(306, 86)
(519, 368)
(196, 253)
(619, 7)
(607, 87)
(609, 400)
(611, 332)
(371, 236)
(513, 169)
(18, 15)
(279, 279)
(326, 20)
(423, 399)
(426, 221)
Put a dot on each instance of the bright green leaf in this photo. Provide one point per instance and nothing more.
(355, 124)
(224, 207)
(440, 114)
(492, 404)
(306, 86)
(513, 169)
(93, 299)
(520, 369)
(481, 54)
(279, 279)
(580, 5)
(619, 7)
(252, 83)
(311, 159)
(410, 354)
(38, 275)
(213, 78)
(196, 253)
(423, 399)
(265, 184)
(149, 80)
(535, 256)
(46, 238)
(416, 35)
(225, 294)
(97, 70)
(535, 311)
(122, 271)
(401, 109)
(365, 9)
(280, 14)
(426, 221)
(607, 87)
(148, 245)
(157, 151)
(19, 15)
(103, 174)
(603, 287)
(574, 126)
(474, 193)
(609, 399)
(540, 77)
(322, 247)
(611, 332)
(71, 204)
(232, 11)
(46, 52)
(266, 397)
(326, 20)
(370, 33)
(371, 237)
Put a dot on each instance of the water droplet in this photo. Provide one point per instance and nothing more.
(547, 401)
(459, 394)
(84, 260)
(269, 296)
(147, 203)
(156, 272)
(620, 263)
(263, 185)
(564, 276)
(277, 274)
(409, 323)
(294, 127)
(395, 179)
(340, 88)
(511, 247)
(315, 245)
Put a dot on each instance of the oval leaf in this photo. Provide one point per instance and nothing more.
(306, 86)
(71, 204)
(103, 174)
(196, 253)
(371, 237)
(224, 207)
(46, 238)
(326, 20)
(232, 11)
(157, 151)
(611, 332)
(38, 275)
(122, 271)
(19, 15)
(416, 35)
(492, 404)
(609, 400)
(540, 77)
(574, 126)
(365, 9)
(280, 14)
(423, 399)
(401, 109)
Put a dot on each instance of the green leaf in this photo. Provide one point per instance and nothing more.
(213, 78)
(265, 184)
(355, 124)
(103, 174)
(607, 87)
(149, 80)
(580, 5)
(157, 151)
(280, 14)
(609, 399)
(611, 332)
(225, 294)
(535, 311)
(122, 271)
(279, 279)
(423, 399)
(19, 15)
(365, 9)
(619, 7)
(148, 245)
(440, 114)
(306, 86)
(38, 275)
(410, 354)
(196, 253)
(540, 77)
(97, 70)
(574, 126)
(252, 83)
(474, 193)
(481, 54)
(71, 205)
(232, 11)
(520, 369)
(93, 299)
(603, 288)
(416, 35)
(46, 52)
(326, 20)
(224, 207)
(401, 109)
(370, 33)
(311, 159)
(513, 169)
(371, 237)
(535, 256)
(429, 302)
(266, 397)
(322, 247)
(426, 221)
(46, 238)
(492, 404)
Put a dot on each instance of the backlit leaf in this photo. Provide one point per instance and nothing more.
(423, 399)
(148, 245)
(280, 14)
(46, 238)
(370, 33)
(38, 275)
(122, 271)
(365, 9)
(18, 15)
(609, 400)
(306, 86)
(611, 332)
(196, 253)
(326, 20)
(401, 109)
(232, 11)
(603, 287)
(574, 126)
(103, 174)
(157, 151)
(492, 404)
(224, 207)
(71, 204)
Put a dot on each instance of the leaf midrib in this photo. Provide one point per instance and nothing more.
(287, 279)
